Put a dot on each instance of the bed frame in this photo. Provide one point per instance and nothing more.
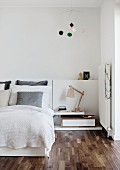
(41, 151)
(28, 151)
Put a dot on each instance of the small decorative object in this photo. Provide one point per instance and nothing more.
(86, 75)
(82, 30)
(62, 108)
(69, 34)
(70, 94)
(61, 33)
(80, 76)
(72, 27)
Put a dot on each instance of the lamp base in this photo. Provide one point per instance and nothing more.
(77, 109)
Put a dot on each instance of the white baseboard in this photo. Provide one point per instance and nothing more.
(115, 137)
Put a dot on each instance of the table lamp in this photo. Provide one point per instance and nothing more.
(70, 93)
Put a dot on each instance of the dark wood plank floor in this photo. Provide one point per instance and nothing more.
(73, 150)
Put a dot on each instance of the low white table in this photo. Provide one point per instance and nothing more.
(68, 113)
(64, 120)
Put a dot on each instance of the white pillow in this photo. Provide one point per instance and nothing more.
(2, 86)
(4, 97)
(24, 88)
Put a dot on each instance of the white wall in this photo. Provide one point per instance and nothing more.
(107, 31)
(31, 49)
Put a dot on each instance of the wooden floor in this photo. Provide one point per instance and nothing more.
(77, 150)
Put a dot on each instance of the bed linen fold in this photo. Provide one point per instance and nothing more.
(26, 126)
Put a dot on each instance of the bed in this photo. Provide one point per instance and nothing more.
(26, 130)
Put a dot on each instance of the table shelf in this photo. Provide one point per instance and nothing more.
(76, 121)
(68, 113)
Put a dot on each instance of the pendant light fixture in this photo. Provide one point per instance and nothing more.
(71, 26)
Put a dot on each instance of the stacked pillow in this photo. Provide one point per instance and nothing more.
(25, 93)
(6, 84)
(30, 98)
(4, 93)
(32, 83)
(30, 93)
(4, 97)
(2, 86)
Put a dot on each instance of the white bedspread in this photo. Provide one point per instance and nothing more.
(26, 126)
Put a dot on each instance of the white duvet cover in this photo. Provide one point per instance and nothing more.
(26, 126)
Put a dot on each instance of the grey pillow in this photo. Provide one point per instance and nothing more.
(32, 83)
(30, 98)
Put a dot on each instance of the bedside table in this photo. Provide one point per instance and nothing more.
(60, 113)
(64, 120)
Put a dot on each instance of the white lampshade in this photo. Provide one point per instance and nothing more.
(73, 29)
(70, 93)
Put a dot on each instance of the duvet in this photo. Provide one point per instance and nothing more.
(26, 126)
